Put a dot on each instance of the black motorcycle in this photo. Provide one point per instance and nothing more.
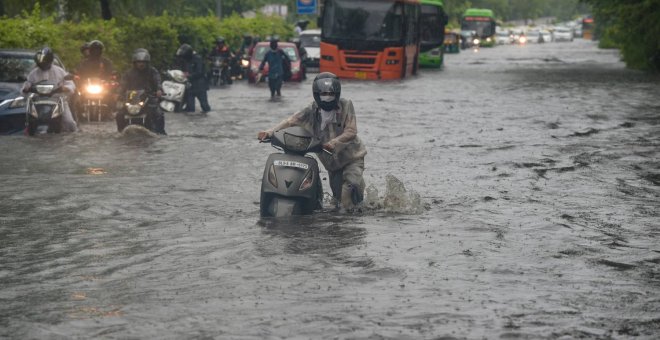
(291, 184)
(45, 109)
(139, 109)
(220, 71)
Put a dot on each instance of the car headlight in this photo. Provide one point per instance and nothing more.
(17, 102)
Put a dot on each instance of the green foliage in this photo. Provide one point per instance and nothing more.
(160, 35)
(634, 27)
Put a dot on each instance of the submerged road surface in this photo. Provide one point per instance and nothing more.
(513, 194)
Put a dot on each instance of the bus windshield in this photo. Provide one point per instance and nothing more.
(363, 20)
(482, 25)
(432, 25)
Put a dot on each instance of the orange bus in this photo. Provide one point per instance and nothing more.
(370, 39)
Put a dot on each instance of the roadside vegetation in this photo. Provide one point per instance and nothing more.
(161, 35)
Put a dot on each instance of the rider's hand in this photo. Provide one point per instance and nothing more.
(159, 93)
(263, 135)
(329, 147)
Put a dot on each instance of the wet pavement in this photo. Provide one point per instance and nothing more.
(530, 211)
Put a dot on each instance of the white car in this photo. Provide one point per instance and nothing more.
(533, 37)
(546, 36)
(503, 38)
(311, 41)
(562, 34)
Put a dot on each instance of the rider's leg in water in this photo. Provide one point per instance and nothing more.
(157, 120)
(121, 122)
(348, 184)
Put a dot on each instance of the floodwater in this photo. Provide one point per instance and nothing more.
(513, 194)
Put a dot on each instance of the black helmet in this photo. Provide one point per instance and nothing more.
(326, 83)
(185, 52)
(44, 58)
(274, 42)
(219, 40)
(95, 48)
(141, 54)
(84, 48)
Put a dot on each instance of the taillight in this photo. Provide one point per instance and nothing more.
(307, 182)
(271, 176)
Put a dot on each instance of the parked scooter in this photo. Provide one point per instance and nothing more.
(291, 184)
(174, 90)
(138, 105)
(45, 108)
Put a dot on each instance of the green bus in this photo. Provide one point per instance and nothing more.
(432, 33)
(482, 22)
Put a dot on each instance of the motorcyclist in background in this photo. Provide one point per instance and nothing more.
(96, 65)
(143, 76)
(332, 120)
(275, 58)
(193, 66)
(45, 70)
(221, 49)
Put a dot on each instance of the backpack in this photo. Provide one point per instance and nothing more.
(286, 66)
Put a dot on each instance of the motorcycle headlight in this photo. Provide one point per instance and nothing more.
(133, 108)
(476, 41)
(17, 102)
(94, 89)
(245, 63)
(489, 39)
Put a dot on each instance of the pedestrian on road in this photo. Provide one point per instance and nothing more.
(193, 66)
(278, 64)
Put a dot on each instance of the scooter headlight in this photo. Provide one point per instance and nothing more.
(296, 143)
(307, 182)
(245, 63)
(476, 41)
(94, 89)
(45, 89)
(271, 176)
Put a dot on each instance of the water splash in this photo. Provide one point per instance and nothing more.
(397, 198)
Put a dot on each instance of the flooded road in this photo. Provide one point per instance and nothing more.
(532, 179)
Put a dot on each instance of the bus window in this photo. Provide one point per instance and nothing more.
(346, 19)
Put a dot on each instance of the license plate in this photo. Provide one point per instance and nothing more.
(361, 75)
(292, 164)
